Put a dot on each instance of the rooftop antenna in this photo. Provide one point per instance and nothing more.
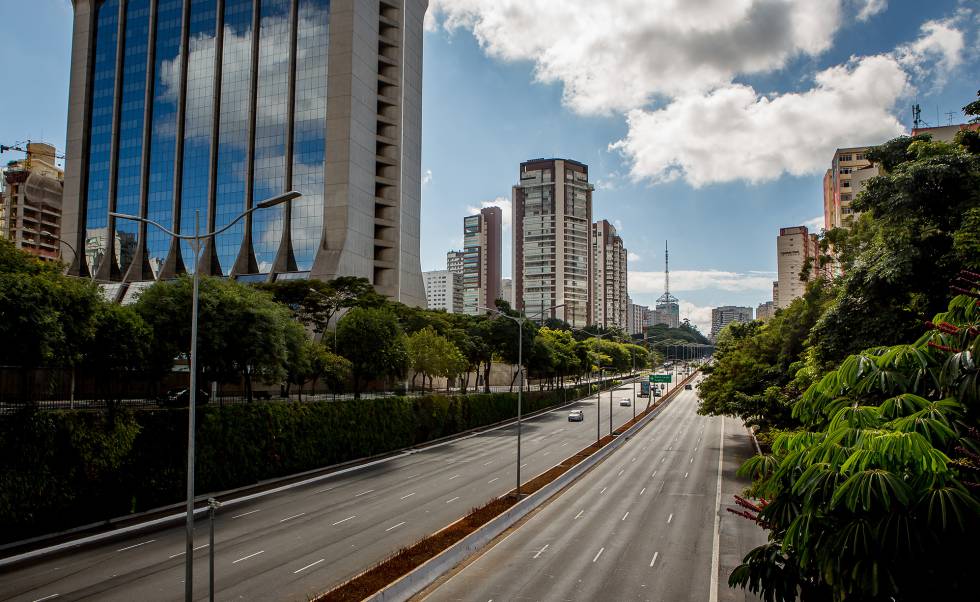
(916, 116)
(949, 117)
(667, 297)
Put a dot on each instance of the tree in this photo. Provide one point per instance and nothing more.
(121, 341)
(876, 498)
(315, 302)
(430, 354)
(315, 362)
(373, 342)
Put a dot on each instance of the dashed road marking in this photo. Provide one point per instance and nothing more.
(249, 556)
(394, 526)
(135, 545)
(308, 566)
(344, 520)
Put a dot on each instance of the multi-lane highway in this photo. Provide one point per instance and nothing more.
(646, 524)
(306, 539)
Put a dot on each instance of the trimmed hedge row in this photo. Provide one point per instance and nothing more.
(60, 469)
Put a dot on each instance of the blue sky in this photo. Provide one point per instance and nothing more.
(705, 123)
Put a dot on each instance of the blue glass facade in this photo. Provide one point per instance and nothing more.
(100, 142)
(248, 76)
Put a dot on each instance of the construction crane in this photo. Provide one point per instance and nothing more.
(24, 149)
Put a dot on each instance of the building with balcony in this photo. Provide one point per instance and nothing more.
(481, 259)
(765, 311)
(552, 246)
(609, 276)
(454, 261)
(797, 252)
(444, 290)
(31, 203)
(198, 110)
(725, 315)
(848, 173)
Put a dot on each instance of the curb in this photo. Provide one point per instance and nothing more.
(424, 575)
(289, 482)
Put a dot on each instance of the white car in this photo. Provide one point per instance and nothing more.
(576, 416)
(625, 402)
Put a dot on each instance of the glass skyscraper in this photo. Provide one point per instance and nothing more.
(184, 110)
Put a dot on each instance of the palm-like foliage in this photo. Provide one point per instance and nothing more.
(876, 499)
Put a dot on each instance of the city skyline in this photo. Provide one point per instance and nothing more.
(722, 221)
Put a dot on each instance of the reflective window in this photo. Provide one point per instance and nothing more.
(103, 89)
(131, 129)
(309, 128)
(166, 87)
(197, 122)
(270, 127)
(236, 76)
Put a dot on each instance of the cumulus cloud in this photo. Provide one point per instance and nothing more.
(814, 224)
(505, 208)
(696, 280)
(870, 8)
(698, 315)
(617, 55)
(631, 256)
(940, 46)
(732, 133)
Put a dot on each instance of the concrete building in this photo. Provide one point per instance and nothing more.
(945, 133)
(552, 218)
(795, 248)
(481, 259)
(723, 316)
(848, 173)
(444, 290)
(775, 294)
(639, 318)
(206, 108)
(454, 261)
(765, 311)
(507, 290)
(609, 276)
(30, 203)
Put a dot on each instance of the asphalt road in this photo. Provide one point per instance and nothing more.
(291, 544)
(640, 526)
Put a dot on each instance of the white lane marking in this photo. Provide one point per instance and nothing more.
(246, 513)
(661, 460)
(413, 476)
(624, 516)
(249, 556)
(488, 463)
(563, 444)
(523, 465)
(546, 453)
(603, 490)
(493, 479)
(662, 483)
(654, 474)
(453, 477)
(394, 526)
(364, 493)
(292, 517)
(135, 545)
(452, 500)
(642, 490)
(692, 460)
(405, 497)
(713, 592)
(601, 550)
(685, 474)
(620, 473)
(655, 554)
(182, 553)
(308, 566)
(580, 513)
(541, 550)
(670, 518)
(634, 459)
(52, 596)
(343, 520)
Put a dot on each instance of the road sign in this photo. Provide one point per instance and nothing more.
(660, 378)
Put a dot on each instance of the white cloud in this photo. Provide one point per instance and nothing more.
(814, 224)
(505, 208)
(698, 315)
(733, 133)
(617, 55)
(870, 8)
(940, 46)
(631, 256)
(426, 177)
(696, 280)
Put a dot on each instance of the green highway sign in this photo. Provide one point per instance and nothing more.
(660, 378)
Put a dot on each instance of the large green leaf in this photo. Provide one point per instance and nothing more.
(872, 488)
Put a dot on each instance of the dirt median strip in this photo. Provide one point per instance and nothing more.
(409, 558)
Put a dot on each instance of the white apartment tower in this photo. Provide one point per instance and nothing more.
(609, 277)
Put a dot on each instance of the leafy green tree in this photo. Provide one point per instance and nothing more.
(430, 354)
(120, 342)
(876, 498)
(374, 343)
(315, 362)
(315, 302)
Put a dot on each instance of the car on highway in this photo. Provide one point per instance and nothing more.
(688, 386)
(625, 402)
(179, 398)
(576, 416)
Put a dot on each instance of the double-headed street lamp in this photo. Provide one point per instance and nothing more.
(598, 393)
(191, 410)
(520, 368)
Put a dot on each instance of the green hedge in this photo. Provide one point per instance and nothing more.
(60, 469)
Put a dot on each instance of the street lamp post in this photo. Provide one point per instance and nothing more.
(598, 393)
(192, 405)
(520, 369)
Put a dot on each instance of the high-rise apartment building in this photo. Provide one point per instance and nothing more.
(507, 290)
(552, 218)
(481, 259)
(30, 202)
(182, 110)
(609, 274)
(796, 248)
(848, 173)
(454, 261)
(775, 294)
(765, 311)
(638, 319)
(723, 316)
(444, 290)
